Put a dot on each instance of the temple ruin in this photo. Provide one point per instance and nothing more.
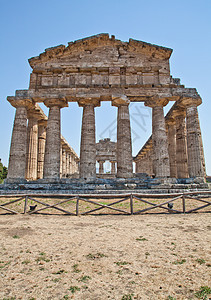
(89, 71)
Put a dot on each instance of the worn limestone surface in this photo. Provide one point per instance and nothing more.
(41, 148)
(195, 160)
(88, 141)
(172, 148)
(17, 159)
(32, 154)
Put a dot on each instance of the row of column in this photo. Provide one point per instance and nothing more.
(88, 142)
(35, 147)
(177, 153)
(23, 158)
(185, 142)
(69, 164)
(174, 154)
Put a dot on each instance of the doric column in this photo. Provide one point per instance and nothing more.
(32, 147)
(60, 160)
(77, 164)
(124, 145)
(101, 166)
(171, 128)
(17, 158)
(195, 155)
(159, 138)
(150, 162)
(181, 144)
(88, 142)
(64, 164)
(113, 167)
(70, 163)
(53, 138)
(67, 163)
(42, 124)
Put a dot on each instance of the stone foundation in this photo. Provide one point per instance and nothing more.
(140, 184)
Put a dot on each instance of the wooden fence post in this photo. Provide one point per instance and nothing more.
(25, 204)
(131, 204)
(183, 204)
(77, 204)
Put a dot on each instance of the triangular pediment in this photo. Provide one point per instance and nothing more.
(100, 48)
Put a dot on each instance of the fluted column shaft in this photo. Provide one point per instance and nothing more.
(181, 146)
(41, 148)
(101, 167)
(88, 142)
(195, 155)
(17, 158)
(172, 148)
(71, 163)
(161, 166)
(53, 139)
(64, 164)
(113, 167)
(124, 145)
(32, 148)
(61, 161)
(160, 143)
(67, 163)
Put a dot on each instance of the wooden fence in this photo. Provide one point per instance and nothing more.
(127, 204)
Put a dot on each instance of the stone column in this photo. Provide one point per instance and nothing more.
(67, 163)
(150, 162)
(64, 164)
(53, 138)
(32, 147)
(77, 164)
(195, 155)
(181, 144)
(101, 166)
(124, 145)
(171, 126)
(88, 142)
(17, 158)
(42, 124)
(159, 138)
(61, 160)
(70, 163)
(113, 167)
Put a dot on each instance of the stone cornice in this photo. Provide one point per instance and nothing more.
(135, 94)
(97, 41)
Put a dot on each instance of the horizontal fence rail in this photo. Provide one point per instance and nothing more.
(127, 204)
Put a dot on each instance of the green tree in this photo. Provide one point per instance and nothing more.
(3, 172)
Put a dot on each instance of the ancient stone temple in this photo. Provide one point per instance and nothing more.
(92, 70)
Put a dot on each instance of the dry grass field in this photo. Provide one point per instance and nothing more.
(149, 256)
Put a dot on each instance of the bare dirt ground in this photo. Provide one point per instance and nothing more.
(151, 256)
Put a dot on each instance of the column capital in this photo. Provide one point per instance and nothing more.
(179, 113)
(88, 101)
(42, 122)
(20, 102)
(60, 102)
(154, 102)
(170, 121)
(189, 102)
(120, 100)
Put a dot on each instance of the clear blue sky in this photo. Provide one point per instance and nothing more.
(28, 27)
